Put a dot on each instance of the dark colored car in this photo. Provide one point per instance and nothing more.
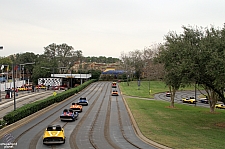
(168, 94)
(204, 100)
(69, 115)
(83, 101)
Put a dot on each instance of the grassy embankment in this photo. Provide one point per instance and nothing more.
(181, 127)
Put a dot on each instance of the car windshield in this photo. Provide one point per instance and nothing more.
(54, 128)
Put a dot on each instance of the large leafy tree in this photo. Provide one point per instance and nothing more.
(27, 61)
(172, 60)
(62, 55)
(196, 56)
(207, 63)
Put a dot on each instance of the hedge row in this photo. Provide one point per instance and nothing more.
(31, 108)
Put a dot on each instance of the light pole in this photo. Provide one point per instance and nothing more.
(14, 89)
(81, 82)
(49, 69)
(195, 94)
(149, 86)
(70, 75)
(23, 74)
(14, 84)
(71, 79)
(23, 69)
(149, 83)
(147, 68)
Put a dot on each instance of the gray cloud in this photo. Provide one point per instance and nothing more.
(99, 27)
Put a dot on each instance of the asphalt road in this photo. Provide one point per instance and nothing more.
(104, 123)
(182, 94)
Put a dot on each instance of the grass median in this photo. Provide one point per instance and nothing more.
(184, 126)
(147, 89)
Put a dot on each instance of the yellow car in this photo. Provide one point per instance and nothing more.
(21, 89)
(76, 107)
(189, 100)
(220, 106)
(54, 134)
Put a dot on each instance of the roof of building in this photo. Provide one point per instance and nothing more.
(114, 72)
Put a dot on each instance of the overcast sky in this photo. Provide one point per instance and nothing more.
(100, 27)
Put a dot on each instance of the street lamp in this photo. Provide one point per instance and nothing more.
(147, 68)
(149, 86)
(23, 73)
(71, 79)
(80, 78)
(14, 84)
(14, 87)
(23, 69)
(195, 94)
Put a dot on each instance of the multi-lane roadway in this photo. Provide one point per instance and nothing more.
(104, 123)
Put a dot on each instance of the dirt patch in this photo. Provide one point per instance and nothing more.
(175, 108)
(208, 112)
(222, 125)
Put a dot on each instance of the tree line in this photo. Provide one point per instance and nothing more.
(58, 58)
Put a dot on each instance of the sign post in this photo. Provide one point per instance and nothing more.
(139, 84)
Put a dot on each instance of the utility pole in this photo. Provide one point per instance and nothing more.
(14, 87)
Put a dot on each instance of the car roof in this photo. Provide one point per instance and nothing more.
(82, 98)
(54, 128)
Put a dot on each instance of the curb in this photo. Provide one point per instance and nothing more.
(137, 130)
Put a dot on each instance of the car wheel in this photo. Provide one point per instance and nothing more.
(64, 141)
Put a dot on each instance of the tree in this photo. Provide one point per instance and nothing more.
(208, 61)
(61, 56)
(171, 59)
(196, 56)
(6, 61)
(27, 58)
